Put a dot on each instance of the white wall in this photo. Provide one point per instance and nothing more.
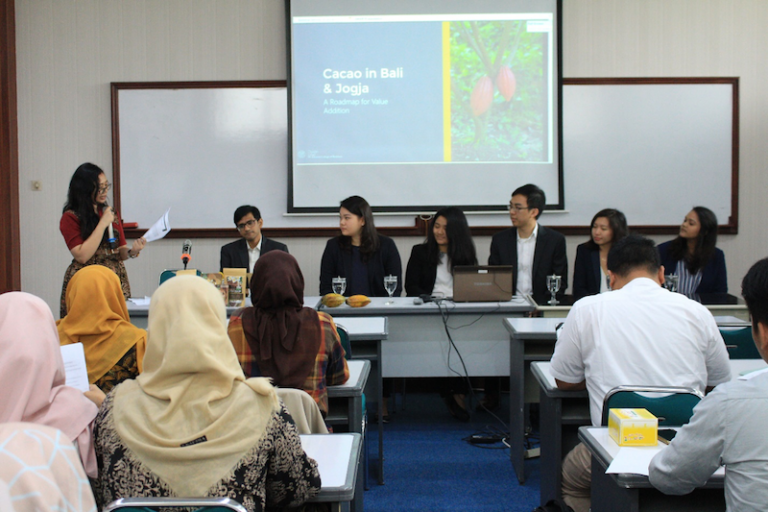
(68, 51)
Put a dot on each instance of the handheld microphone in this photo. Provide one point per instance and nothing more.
(186, 251)
(111, 231)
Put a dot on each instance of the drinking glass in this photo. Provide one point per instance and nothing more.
(390, 283)
(670, 282)
(553, 285)
(339, 285)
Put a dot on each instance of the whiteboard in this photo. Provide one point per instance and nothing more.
(652, 150)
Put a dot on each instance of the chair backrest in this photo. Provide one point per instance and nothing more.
(305, 412)
(672, 405)
(345, 343)
(739, 343)
(156, 503)
(169, 273)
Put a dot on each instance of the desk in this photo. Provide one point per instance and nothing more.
(418, 346)
(365, 336)
(720, 304)
(338, 459)
(345, 402)
(634, 493)
(562, 412)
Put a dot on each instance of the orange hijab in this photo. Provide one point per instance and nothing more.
(98, 318)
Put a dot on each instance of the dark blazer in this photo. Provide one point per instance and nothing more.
(384, 262)
(420, 275)
(714, 278)
(586, 271)
(235, 254)
(548, 258)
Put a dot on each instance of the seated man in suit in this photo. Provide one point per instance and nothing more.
(534, 251)
(728, 427)
(245, 252)
(637, 334)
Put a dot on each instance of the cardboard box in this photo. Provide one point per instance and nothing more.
(633, 427)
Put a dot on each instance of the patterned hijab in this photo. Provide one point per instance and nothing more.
(32, 376)
(98, 318)
(284, 336)
(41, 472)
(191, 415)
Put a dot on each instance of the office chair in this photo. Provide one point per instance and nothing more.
(156, 503)
(304, 411)
(739, 343)
(673, 407)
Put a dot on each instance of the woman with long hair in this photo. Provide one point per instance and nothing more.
(430, 272)
(449, 243)
(360, 254)
(278, 337)
(85, 223)
(591, 268)
(694, 257)
(192, 424)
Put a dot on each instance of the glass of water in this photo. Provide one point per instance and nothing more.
(553, 285)
(390, 284)
(339, 285)
(670, 282)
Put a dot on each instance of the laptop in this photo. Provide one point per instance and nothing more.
(482, 283)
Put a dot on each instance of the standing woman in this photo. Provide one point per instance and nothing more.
(693, 257)
(591, 267)
(360, 254)
(449, 243)
(84, 226)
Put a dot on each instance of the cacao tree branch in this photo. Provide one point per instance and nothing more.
(503, 43)
(471, 42)
(482, 51)
(516, 44)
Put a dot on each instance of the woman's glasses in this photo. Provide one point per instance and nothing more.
(104, 188)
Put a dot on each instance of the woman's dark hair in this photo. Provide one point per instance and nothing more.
(83, 188)
(705, 242)
(461, 248)
(616, 220)
(369, 238)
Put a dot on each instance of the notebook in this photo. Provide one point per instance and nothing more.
(482, 283)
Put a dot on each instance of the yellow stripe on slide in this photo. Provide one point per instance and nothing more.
(446, 91)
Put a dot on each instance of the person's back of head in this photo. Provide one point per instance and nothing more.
(632, 254)
(754, 289)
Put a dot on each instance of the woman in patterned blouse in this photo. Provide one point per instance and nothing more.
(192, 425)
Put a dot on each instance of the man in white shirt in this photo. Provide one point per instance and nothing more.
(728, 427)
(637, 334)
(245, 252)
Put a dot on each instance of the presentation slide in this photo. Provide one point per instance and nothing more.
(455, 107)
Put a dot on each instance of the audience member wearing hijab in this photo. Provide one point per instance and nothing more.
(32, 376)
(41, 471)
(191, 425)
(278, 337)
(98, 318)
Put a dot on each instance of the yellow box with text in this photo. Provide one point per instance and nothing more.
(633, 427)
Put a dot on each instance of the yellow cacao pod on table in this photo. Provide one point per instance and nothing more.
(332, 300)
(358, 301)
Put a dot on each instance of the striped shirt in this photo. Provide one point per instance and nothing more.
(330, 366)
(687, 283)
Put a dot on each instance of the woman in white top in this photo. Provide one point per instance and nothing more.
(430, 272)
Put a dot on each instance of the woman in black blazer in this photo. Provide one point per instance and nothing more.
(608, 227)
(360, 254)
(430, 272)
(449, 243)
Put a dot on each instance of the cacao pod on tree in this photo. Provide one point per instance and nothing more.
(482, 96)
(506, 82)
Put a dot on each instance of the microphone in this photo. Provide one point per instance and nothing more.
(111, 230)
(186, 251)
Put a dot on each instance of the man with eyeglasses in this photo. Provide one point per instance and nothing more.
(245, 252)
(534, 252)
